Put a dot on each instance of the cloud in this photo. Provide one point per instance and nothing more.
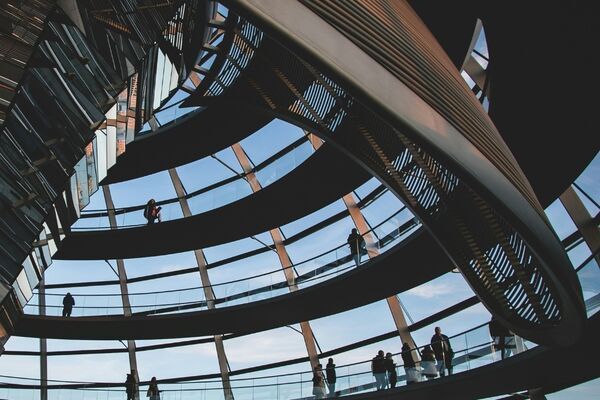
(431, 290)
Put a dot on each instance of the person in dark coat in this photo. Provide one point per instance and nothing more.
(331, 377)
(390, 366)
(443, 351)
(68, 303)
(410, 367)
(356, 244)
(130, 386)
(379, 371)
(153, 393)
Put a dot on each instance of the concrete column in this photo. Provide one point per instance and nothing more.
(282, 254)
(205, 281)
(122, 281)
(582, 219)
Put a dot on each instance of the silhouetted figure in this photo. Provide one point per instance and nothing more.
(390, 366)
(152, 211)
(443, 351)
(356, 244)
(410, 367)
(503, 338)
(428, 363)
(379, 371)
(68, 303)
(130, 387)
(331, 377)
(153, 392)
(318, 380)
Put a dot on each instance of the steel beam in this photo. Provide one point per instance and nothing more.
(110, 206)
(364, 229)
(43, 342)
(282, 254)
(209, 294)
(582, 219)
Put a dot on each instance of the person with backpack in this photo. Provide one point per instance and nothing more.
(152, 211)
(68, 303)
(356, 244)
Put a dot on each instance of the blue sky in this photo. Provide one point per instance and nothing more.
(263, 347)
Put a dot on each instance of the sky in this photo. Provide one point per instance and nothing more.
(272, 345)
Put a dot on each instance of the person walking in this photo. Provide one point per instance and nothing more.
(378, 370)
(318, 380)
(68, 303)
(152, 211)
(443, 351)
(356, 244)
(153, 392)
(331, 377)
(390, 366)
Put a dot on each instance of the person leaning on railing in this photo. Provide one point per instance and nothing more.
(410, 367)
(428, 363)
(153, 392)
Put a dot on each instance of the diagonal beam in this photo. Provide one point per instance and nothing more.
(205, 281)
(364, 229)
(582, 219)
(282, 254)
(110, 206)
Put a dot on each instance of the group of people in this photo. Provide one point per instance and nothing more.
(440, 352)
(436, 360)
(384, 371)
(322, 383)
(132, 387)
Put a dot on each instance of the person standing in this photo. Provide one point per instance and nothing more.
(318, 380)
(428, 363)
(153, 392)
(331, 377)
(443, 351)
(152, 211)
(130, 387)
(68, 303)
(378, 370)
(356, 244)
(410, 367)
(390, 366)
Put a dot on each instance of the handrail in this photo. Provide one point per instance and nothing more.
(97, 213)
(173, 380)
(365, 201)
(251, 277)
(310, 276)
